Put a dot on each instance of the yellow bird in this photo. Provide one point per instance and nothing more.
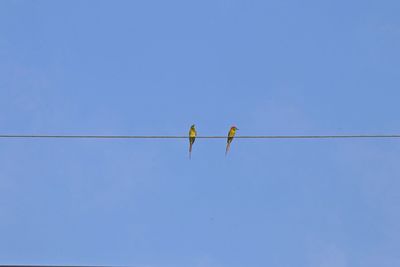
(231, 134)
(192, 137)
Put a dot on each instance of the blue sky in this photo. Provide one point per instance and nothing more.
(155, 67)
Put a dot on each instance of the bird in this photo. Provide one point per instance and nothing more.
(231, 134)
(192, 138)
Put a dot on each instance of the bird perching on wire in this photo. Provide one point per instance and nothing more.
(192, 138)
(231, 134)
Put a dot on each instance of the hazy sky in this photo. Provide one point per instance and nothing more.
(156, 67)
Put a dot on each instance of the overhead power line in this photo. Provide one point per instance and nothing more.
(20, 265)
(359, 136)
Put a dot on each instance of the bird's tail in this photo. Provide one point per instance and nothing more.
(190, 150)
(228, 145)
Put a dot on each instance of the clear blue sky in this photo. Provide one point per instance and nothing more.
(156, 67)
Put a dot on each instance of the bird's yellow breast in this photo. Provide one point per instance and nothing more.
(192, 133)
(232, 133)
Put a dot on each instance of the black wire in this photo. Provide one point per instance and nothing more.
(44, 265)
(202, 137)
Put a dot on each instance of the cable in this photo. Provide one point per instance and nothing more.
(23, 265)
(202, 137)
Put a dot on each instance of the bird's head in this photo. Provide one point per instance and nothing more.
(192, 127)
(234, 128)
